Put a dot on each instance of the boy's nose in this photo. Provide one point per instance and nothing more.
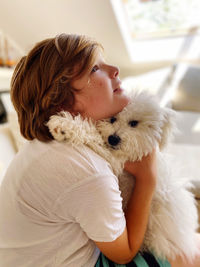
(114, 72)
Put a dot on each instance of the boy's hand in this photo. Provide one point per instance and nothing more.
(145, 171)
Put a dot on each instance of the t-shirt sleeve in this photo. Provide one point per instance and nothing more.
(96, 205)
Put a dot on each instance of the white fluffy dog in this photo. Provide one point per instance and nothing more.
(130, 135)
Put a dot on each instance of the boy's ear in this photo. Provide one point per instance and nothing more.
(168, 128)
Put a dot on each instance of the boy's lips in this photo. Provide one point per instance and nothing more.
(117, 90)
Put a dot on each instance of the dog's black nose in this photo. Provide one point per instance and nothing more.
(114, 140)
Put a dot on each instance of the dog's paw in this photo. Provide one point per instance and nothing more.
(59, 126)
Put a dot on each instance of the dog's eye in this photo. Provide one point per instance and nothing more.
(133, 123)
(112, 120)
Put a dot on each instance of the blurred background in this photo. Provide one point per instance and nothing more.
(155, 43)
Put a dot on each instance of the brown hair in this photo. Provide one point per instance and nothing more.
(40, 86)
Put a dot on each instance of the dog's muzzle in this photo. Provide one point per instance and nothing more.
(114, 140)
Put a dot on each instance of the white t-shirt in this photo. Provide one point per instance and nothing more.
(54, 200)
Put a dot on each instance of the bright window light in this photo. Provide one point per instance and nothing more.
(157, 18)
(159, 30)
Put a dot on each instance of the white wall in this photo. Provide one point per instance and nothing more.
(29, 21)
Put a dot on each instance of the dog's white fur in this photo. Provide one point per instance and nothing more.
(140, 127)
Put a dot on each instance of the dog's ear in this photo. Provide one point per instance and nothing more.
(168, 127)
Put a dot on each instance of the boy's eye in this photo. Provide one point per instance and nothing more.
(95, 68)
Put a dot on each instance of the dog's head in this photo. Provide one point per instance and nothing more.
(138, 128)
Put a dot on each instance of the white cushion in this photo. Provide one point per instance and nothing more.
(187, 159)
(187, 84)
(188, 124)
(8, 149)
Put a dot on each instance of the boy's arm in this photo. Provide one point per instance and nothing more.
(126, 246)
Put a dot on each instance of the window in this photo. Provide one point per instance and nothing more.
(159, 30)
(161, 18)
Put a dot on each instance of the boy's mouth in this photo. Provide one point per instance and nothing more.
(117, 90)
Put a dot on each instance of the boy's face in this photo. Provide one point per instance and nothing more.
(100, 95)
